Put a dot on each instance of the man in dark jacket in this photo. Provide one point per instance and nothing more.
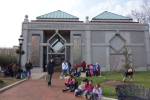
(28, 67)
(50, 70)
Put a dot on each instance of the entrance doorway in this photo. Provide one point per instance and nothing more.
(58, 58)
(56, 48)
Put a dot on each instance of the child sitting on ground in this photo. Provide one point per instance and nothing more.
(97, 92)
(88, 90)
(81, 88)
(70, 83)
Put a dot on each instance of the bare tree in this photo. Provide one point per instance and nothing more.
(142, 16)
(127, 57)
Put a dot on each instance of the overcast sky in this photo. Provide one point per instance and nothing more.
(12, 12)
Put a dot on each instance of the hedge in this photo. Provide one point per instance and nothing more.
(7, 59)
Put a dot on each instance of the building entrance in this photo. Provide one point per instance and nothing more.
(58, 58)
(56, 48)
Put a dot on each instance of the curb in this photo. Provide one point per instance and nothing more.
(106, 98)
(37, 76)
(11, 85)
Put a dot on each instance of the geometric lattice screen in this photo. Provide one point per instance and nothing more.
(117, 43)
(57, 44)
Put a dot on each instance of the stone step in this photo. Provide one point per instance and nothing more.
(37, 70)
(37, 73)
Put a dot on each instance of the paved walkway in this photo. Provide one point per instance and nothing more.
(38, 90)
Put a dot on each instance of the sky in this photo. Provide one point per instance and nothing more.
(12, 13)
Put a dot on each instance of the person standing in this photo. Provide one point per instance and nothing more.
(64, 69)
(91, 70)
(69, 67)
(98, 69)
(50, 70)
(28, 67)
(83, 65)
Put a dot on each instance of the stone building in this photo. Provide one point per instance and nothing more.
(102, 39)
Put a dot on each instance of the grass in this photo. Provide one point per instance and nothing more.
(143, 78)
(109, 91)
(109, 80)
(4, 81)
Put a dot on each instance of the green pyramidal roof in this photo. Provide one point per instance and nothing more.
(110, 16)
(57, 15)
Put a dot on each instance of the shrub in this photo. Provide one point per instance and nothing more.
(7, 59)
(2, 83)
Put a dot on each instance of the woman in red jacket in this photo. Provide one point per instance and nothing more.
(88, 89)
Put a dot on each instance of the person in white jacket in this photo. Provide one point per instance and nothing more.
(97, 92)
(64, 69)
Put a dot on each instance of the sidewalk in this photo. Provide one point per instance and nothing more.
(37, 89)
(37, 73)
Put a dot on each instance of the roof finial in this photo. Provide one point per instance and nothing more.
(26, 18)
(87, 19)
(56, 31)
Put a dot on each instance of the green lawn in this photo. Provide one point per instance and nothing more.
(109, 80)
(4, 81)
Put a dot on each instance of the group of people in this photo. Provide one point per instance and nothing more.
(14, 70)
(11, 70)
(85, 88)
(89, 69)
(93, 70)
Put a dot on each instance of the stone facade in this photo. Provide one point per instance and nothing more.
(92, 41)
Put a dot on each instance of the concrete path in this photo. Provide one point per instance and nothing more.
(37, 73)
(38, 90)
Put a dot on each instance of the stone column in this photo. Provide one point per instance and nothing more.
(41, 49)
(108, 37)
(25, 43)
(24, 47)
(71, 48)
(147, 44)
(76, 48)
(108, 58)
(88, 47)
(29, 52)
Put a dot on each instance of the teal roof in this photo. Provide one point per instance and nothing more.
(110, 16)
(57, 15)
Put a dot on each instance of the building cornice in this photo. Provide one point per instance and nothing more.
(86, 26)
